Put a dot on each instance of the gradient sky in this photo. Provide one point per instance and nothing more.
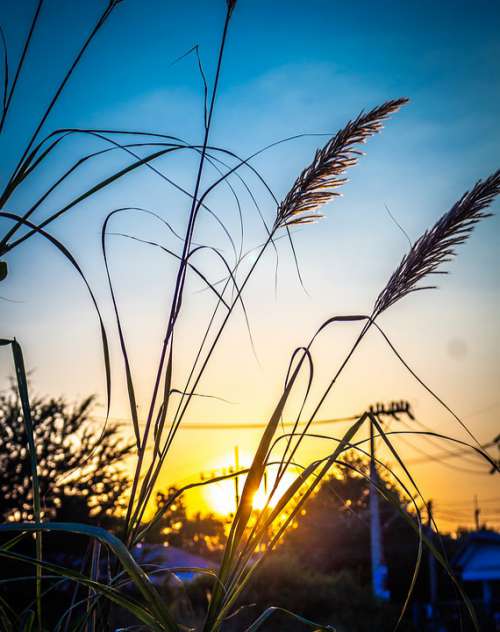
(290, 67)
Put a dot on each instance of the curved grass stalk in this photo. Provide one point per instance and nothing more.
(257, 624)
(441, 557)
(135, 572)
(30, 166)
(79, 162)
(88, 193)
(6, 247)
(219, 606)
(315, 186)
(355, 318)
(97, 27)
(74, 263)
(333, 159)
(432, 249)
(149, 618)
(179, 284)
(280, 507)
(22, 385)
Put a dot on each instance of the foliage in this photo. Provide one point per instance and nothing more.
(287, 581)
(82, 474)
(333, 534)
(202, 535)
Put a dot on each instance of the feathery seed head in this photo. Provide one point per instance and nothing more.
(316, 185)
(437, 245)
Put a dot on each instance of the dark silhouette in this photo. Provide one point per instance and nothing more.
(202, 535)
(81, 469)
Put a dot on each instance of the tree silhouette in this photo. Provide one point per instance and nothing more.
(81, 468)
(334, 533)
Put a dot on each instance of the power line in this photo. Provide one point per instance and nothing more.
(242, 426)
(471, 512)
(394, 409)
(437, 444)
(430, 458)
(427, 458)
(491, 499)
(484, 409)
(450, 455)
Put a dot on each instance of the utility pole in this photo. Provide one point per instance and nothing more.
(379, 568)
(477, 512)
(236, 482)
(432, 568)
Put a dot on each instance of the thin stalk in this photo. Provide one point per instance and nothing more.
(179, 286)
(21, 63)
(159, 465)
(285, 461)
(5, 247)
(323, 398)
(11, 183)
(22, 385)
(266, 243)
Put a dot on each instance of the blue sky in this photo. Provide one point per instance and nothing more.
(290, 67)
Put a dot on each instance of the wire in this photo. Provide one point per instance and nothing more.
(428, 458)
(491, 499)
(435, 443)
(446, 453)
(240, 426)
(449, 452)
(391, 411)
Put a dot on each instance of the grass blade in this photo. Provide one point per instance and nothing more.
(22, 385)
(256, 625)
(134, 571)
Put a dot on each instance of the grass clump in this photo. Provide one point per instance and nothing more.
(125, 585)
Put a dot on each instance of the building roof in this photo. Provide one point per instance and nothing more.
(478, 559)
(165, 560)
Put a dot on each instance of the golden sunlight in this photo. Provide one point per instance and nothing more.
(221, 497)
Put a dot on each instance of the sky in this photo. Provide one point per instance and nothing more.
(289, 68)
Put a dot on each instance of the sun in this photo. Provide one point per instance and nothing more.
(221, 496)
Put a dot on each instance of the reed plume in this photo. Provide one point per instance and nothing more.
(315, 185)
(437, 245)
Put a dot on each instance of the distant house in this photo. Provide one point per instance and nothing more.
(478, 565)
(162, 561)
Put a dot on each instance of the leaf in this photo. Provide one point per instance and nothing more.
(22, 385)
(110, 593)
(273, 609)
(74, 263)
(135, 572)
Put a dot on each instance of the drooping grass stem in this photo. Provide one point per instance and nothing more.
(179, 285)
(12, 183)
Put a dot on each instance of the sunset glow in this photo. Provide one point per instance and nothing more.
(249, 301)
(220, 497)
